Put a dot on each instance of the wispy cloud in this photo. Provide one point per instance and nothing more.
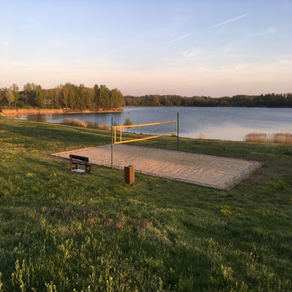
(4, 43)
(231, 20)
(188, 54)
(179, 38)
(268, 31)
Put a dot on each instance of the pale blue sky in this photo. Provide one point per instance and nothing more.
(185, 47)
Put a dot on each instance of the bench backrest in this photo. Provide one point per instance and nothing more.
(77, 157)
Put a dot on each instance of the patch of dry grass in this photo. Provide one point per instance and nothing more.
(75, 122)
(79, 123)
(283, 138)
(98, 126)
(256, 137)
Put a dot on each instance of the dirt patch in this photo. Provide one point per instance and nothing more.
(212, 171)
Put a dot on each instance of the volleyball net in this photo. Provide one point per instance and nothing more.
(151, 130)
(121, 134)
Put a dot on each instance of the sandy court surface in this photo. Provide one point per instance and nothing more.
(212, 171)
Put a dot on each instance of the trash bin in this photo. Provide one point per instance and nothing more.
(129, 174)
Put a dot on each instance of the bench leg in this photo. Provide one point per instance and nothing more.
(73, 166)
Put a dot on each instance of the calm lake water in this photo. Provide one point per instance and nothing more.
(214, 123)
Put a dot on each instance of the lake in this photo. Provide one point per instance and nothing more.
(223, 123)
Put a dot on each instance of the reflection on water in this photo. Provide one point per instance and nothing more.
(104, 119)
(213, 123)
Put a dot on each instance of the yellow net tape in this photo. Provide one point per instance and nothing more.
(142, 125)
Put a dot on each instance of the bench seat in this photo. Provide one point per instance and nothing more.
(76, 160)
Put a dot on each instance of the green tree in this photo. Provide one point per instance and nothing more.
(71, 97)
(102, 97)
(117, 98)
(2, 94)
(40, 98)
(88, 96)
(9, 96)
(15, 90)
(96, 96)
(55, 96)
(65, 95)
(29, 93)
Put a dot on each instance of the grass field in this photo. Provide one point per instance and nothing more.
(62, 231)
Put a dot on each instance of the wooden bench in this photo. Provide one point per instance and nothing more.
(76, 160)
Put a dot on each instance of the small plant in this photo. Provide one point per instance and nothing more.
(202, 136)
(277, 184)
(128, 122)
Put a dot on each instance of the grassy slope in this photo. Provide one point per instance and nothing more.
(60, 230)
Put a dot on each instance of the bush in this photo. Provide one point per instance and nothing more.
(75, 122)
(128, 122)
(20, 104)
(98, 126)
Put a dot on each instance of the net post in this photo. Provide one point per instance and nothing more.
(121, 136)
(115, 134)
(112, 142)
(177, 130)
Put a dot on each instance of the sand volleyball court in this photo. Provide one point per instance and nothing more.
(206, 170)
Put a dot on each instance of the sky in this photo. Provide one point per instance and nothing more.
(185, 47)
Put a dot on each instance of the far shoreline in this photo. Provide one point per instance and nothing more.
(36, 111)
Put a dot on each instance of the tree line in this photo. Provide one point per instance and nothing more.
(79, 97)
(263, 100)
(69, 96)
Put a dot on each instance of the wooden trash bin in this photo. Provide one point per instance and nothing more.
(129, 174)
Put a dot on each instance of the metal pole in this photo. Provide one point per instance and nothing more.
(112, 143)
(121, 128)
(177, 131)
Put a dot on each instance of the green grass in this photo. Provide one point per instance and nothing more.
(62, 231)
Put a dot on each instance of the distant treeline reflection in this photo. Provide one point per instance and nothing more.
(263, 100)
